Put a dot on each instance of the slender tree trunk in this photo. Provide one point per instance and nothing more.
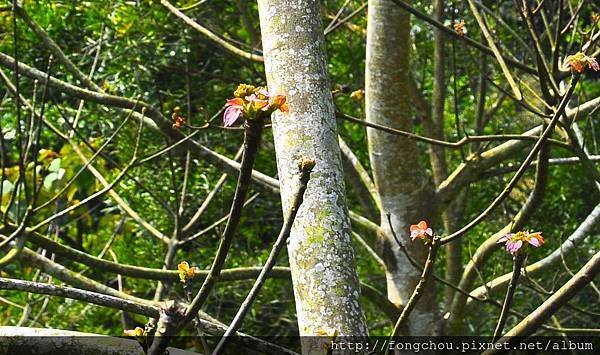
(248, 22)
(437, 154)
(322, 262)
(402, 185)
(435, 126)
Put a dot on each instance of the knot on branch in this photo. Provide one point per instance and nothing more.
(305, 165)
(171, 314)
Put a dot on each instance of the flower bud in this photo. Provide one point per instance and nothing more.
(244, 90)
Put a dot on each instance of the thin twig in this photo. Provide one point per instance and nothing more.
(335, 26)
(433, 275)
(463, 141)
(418, 291)
(512, 286)
(338, 14)
(192, 221)
(469, 41)
(210, 35)
(305, 170)
(251, 143)
(536, 318)
(515, 179)
(215, 224)
(481, 21)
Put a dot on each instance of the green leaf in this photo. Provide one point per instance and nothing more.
(7, 187)
(50, 179)
(55, 165)
(10, 134)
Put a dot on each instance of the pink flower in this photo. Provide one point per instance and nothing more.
(420, 230)
(257, 102)
(594, 64)
(252, 102)
(579, 61)
(513, 246)
(233, 111)
(264, 92)
(515, 241)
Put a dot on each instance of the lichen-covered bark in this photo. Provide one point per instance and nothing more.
(402, 185)
(321, 257)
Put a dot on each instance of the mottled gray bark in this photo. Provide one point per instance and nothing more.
(321, 257)
(402, 185)
(56, 341)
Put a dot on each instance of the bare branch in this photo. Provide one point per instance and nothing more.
(81, 295)
(463, 141)
(155, 120)
(534, 320)
(361, 181)
(236, 323)
(418, 291)
(490, 40)
(512, 183)
(252, 138)
(469, 41)
(210, 35)
(549, 261)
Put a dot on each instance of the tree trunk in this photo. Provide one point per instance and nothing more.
(403, 187)
(321, 257)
